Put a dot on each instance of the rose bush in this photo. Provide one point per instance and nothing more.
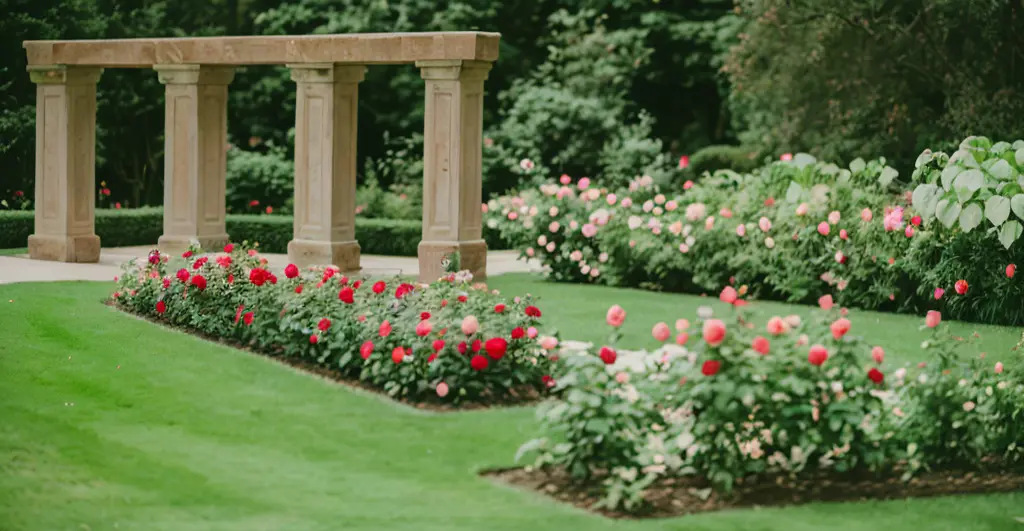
(793, 230)
(451, 341)
(736, 401)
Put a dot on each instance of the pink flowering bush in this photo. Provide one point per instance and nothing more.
(451, 341)
(740, 400)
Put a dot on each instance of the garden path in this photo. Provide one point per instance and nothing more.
(19, 268)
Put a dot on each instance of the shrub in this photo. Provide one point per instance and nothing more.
(260, 179)
(710, 159)
(734, 401)
(450, 341)
(124, 227)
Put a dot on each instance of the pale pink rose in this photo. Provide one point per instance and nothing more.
(442, 389)
(659, 199)
(531, 332)
(866, 215)
(634, 222)
(695, 211)
(938, 293)
(594, 273)
(661, 332)
(584, 268)
(646, 181)
(576, 256)
(657, 211)
(999, 367)
(741, 230)
(550, 247)
(589, 230)
(526, 164)
(533, 211)
(682, 324)
(683, 248)
(627, 202)
(764, 224)
(553, 211)
(893, 220)
(769, 242)
(603, 257)
(840, 257)
(878, 354)
(826, 302)
(786, 157)
(969, 406)
(776, 326)
(932, 319)
(824, 228)
(583, 184)
(513, 216)
(909, 232)
(687, 185)
(622, 378)
(573, 225)
(470, 325)
(616, 316)
(530, 252)
(483, 207)
(802, 208)
(793, 320)
(834, 217)
(548, 343)
(682, 338)
(671, 206)
(709, 223)
(725, 213)
(554, 226)
(565, 179)
(714, 332)
(802, 340)
(611, 199)
(542, 240)
(632, 243)
(843, 235)
(676, 228)
(648, 205)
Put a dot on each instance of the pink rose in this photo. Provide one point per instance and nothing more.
(714, 332)
(661, 332)
(932, 319)
(825, 302)
(866, 214)
(878, 354)
(470, 325)
(840, 327)
(824, 228)
(776, 326)
(615, 316)
(548, 343)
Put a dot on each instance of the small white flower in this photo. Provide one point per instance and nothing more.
(705, 312)
(923, 378)
(837, 387)
(969, 406)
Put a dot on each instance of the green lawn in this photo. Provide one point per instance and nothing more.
(110, 422)
(13, 252)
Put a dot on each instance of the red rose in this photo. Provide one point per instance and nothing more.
(478, 363)
(817, 355)
(463, 298)
(532, 311)
(379, 287)
(432, 357)
(477, 345)
(314, 339)
(403, 290)
(397, 355)
(547, 380)
(291, 271)
(343, 280)
(247, 318)
(161, 307)
(328, 273)
(186, 254)
(229, 247)
(199, 281)
(608, 355)
(499, 308)
(518, 332)
(167, 282)
(960, 287)
(876, 375)
(710, 367)
(463, 347)
(916, 221)
(258, 276)
(183, 275)
(238, 313)
(298, 289)
(496, 347)
(366, 349)
(324, 324)
(424, 316)
(346, 295)
(438, 345)
(356, 284)
(1011, 270)
(273, 278)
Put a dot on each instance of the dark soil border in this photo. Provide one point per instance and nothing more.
(670, 497)
(522, 397)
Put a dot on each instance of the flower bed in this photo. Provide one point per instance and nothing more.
(450, 342)
(793, 230)
(737, 413)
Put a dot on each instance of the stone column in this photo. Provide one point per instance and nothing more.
(452, 149)
(195, 155)
(65, 164)
(327, 100)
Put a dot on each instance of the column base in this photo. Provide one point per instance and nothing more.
(175, 245)
(344, 255)
(78, 249)
(472, 257)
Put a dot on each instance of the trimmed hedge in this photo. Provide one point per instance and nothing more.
(143, 226)
(741, 159)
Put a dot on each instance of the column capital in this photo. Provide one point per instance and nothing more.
(327, 72)
(454, 70)
(64, 75)
(195, 74)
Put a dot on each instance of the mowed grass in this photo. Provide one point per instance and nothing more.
(110, 422)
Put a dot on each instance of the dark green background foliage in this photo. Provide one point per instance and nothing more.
(143, 226)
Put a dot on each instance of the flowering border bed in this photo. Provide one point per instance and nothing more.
(734, 413)
(448, 344)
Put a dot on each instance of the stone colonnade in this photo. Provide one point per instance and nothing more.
(327, 71)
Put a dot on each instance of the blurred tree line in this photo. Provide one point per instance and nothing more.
(606, 88)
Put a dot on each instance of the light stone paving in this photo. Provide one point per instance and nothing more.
(20, 268)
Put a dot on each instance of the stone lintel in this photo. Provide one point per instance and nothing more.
(64, 75)
(327, 73)
(195, 74)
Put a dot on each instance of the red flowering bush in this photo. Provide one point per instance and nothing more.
(446, 341)
(789, 397)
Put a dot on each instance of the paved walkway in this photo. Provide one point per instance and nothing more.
(20, 268)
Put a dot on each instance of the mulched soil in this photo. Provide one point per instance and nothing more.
(689, 495)
(524, 396)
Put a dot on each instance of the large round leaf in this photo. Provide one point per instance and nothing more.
(947, 211)
(970, 217)
(997, 209)
(1017, 204)
(949, 173)
(1020, 157)
(858, 165)
(925, 197)
(1009, 233)
(1001, 170)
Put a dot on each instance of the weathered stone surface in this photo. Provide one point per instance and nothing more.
(344, 255)
(369, 48)
(472, 256)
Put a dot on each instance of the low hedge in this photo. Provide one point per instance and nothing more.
(143, 226)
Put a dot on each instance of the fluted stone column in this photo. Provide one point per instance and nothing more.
(195, 155)
(327, 100)
(65, 164)
(452, 149)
